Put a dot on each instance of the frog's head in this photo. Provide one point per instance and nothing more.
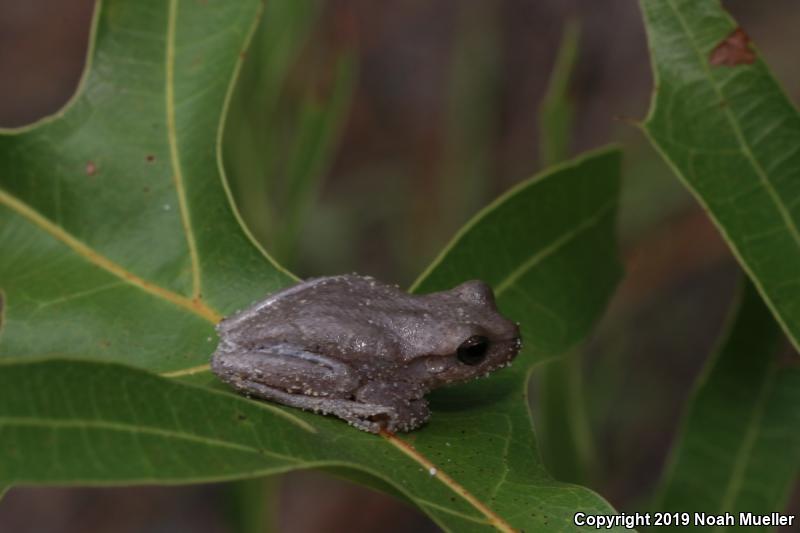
(473, 338)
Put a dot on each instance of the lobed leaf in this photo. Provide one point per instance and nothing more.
(740, 446)
(121, 248)
(119, 240)
(733, 137)
(473, 468)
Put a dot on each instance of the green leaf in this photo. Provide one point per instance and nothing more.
(471, 110)
(539, 276)
(733, 137)
(278, 142)
(535, 244)
(562, 424)
(119, 239)
(78, 419)
(563, 429)
(557, 110)
(740, 446)
(90, 414)
(318, 128)
(120, 245)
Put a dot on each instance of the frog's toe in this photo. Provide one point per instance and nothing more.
(408, 420)
(415, 414)
(372, 421)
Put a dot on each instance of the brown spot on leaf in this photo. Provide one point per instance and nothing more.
(145, 189)
(150, 158)
(733, 50)
(91, 168)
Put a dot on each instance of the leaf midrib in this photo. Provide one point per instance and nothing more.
(494, 519)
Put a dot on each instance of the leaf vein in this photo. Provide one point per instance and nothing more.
(172, 137)
(552, 248)
(195, 305)
(743, 454)
(54, 423)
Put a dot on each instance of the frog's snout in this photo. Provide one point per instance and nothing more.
(512, 346)
(506, 350)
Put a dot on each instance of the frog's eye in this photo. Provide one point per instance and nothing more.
(473, 350)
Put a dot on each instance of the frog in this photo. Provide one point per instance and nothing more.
(363, 350)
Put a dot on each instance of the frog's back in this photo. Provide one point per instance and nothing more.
(327, 309)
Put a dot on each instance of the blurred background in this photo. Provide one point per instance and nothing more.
(394, 122)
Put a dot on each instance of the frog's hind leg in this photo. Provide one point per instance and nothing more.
(287, 368)
(300, 378)
(370, 418)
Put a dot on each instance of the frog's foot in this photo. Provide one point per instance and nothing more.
(366, 417)
(409, 408)
(411, 415)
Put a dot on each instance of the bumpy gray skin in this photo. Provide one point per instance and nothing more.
(359, 349)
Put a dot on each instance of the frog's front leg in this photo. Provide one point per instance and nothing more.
(366, 417)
